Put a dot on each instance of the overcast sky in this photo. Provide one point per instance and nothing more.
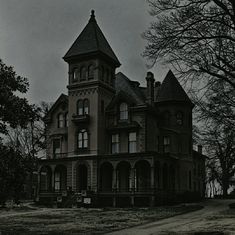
(36, 34)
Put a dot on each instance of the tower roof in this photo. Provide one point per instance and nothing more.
(171, 90)
(91, 40)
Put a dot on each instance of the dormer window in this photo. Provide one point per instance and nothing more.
(60, 120)
(179, 118)
(91, 71)
(82, 73)
(123, 111)
(82, 139)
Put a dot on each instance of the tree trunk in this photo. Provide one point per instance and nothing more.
(225, 186)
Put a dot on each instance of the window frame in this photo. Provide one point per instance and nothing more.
(115, 143)
(123, 111)
(84, 140)
(83, 74)
(60, 120)
(75, 74)
(130, 142)
(66, 119)
(86, 107)
(179, 119)
(55, 153)
(166, 144)
(91, 71)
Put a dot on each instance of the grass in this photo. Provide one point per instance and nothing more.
(85, 221)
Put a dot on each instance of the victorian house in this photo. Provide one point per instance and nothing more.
(111, 141)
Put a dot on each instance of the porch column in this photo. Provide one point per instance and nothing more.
(53, 178)
(132, 185)
(114, 182)
(152, 198)
(152, 178)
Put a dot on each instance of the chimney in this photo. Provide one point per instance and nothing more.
(199, 149)
(156, 89)
(150, 87)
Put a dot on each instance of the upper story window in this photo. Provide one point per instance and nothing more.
(132, 142)
(179, 118)
(66, 120)
(75, 74)
(56, 147)
(86, 106)
(166, 144)
(60, 120)
(82, 139)
(123, 111)
(115, 143)
(91, 71)
(83, 107)
(82, 73)
(80, 107)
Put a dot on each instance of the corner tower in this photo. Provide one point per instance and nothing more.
(92, 65)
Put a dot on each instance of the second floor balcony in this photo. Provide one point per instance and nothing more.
(80, 118)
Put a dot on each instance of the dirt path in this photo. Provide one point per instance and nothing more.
(203, 220)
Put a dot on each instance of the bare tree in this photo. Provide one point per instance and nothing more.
(220, 143)
(197, 37)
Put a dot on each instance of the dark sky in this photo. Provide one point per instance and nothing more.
(35, 35)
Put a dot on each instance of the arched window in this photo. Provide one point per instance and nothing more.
(91, 71)
(86, 106)
(75, 74)
(179, 118)
(80, 107)
(60, 120)
(66, 120)
(123, 110)
(83, 73)
(83, 107)
(82, 139)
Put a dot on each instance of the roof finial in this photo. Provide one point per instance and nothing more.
(92, 15)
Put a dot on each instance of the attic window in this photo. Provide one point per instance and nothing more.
(123, 111)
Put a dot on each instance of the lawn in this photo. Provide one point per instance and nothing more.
(82, 220)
